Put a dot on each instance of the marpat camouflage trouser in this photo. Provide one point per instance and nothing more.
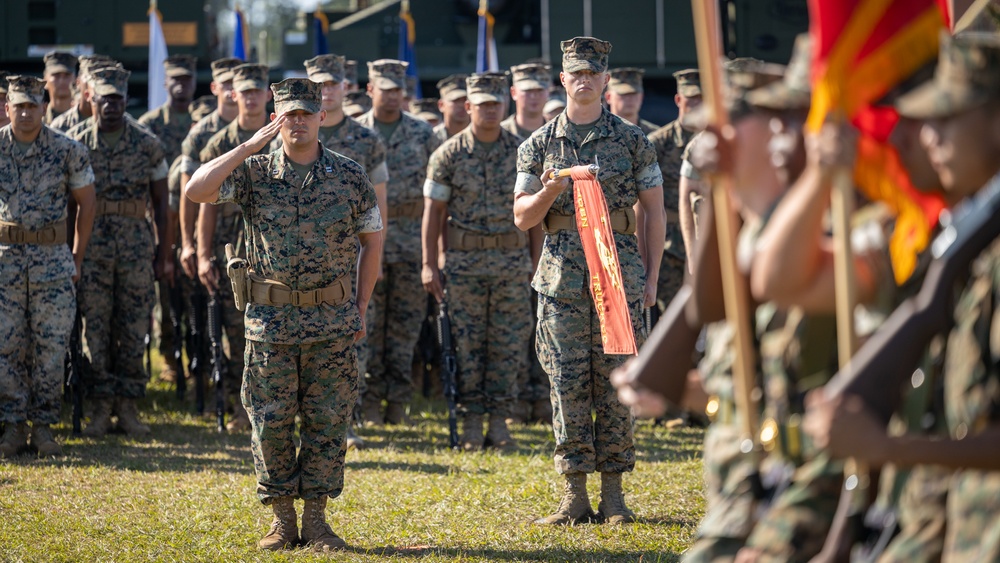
(532, 382)
(973, 517)
(795, 526)
(670, 281)
(35, 324)
(317, 381)
(730, 502)
(922, 518)
(570, 350)
(490, 322)
(396, 309)
(116, 297)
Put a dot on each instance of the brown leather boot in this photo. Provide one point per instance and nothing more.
(316, 533)
(472, 432)
(395, 413)
(100, 419)
(15, 439)
(128, 418)
(284, 532)
(574, 507)
(612, 509)
(43, 442)
(498, 436)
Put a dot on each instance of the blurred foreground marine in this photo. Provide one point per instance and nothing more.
(302, 317)
(569, 341)
(40, 170)
(960, 111)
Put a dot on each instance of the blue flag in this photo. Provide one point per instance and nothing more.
(240, 39)
(407, 36)
(486, 46)
(322, 26)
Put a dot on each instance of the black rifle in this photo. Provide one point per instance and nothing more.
(218, 358)
(877, 372)
(449, 369)
(428, 346)
(196, 346)
(176, 304)
(74, 374)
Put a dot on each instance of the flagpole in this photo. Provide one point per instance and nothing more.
(734, 286)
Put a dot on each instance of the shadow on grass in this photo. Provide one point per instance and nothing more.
(551, 554)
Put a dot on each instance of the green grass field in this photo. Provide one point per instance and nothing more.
(187, 494)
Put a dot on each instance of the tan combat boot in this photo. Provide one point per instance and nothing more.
(498, 436)
(316, 533)
(612, 507)
(371, 412)
(395, 413)
(472, 432)
(100, 419)
(240, 421)
(15, 439)
(575, 504)
(43, 442)
(284, 532)
(128, 419)
(353, 440)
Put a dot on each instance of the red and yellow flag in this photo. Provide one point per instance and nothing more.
(593, 221)
(862, 49)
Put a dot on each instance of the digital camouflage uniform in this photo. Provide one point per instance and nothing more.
(301, 360)
(171, 127)
(37, 298)
(487, 287)
(569, 334)
(229, 227)
(67, 120)
(972, 403)
(669, 142)
(399, 303)
(116, 285)
(532, 382)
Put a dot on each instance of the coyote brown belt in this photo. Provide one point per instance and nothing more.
(12, 233)
(271, 292)
(622, 221)
(127, 208)
(410, 209)
(461, 239)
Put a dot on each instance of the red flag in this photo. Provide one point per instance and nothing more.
(593, 221)
(862, 49)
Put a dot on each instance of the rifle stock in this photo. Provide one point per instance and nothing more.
(878, 370)
(449, 369)
(665, 359)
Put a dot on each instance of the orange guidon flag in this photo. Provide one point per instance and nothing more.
(863, 49)
(593, 221)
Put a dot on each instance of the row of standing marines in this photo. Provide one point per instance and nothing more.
(947, 138)
(442, 194)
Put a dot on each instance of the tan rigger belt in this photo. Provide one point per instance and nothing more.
(126, 207)
(12, 233)
(622, 221)
(270, 292)
(410, 209)
(461, 239)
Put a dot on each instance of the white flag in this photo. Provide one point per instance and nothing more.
(157, 54)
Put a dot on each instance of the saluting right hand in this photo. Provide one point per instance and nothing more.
(263, 136)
